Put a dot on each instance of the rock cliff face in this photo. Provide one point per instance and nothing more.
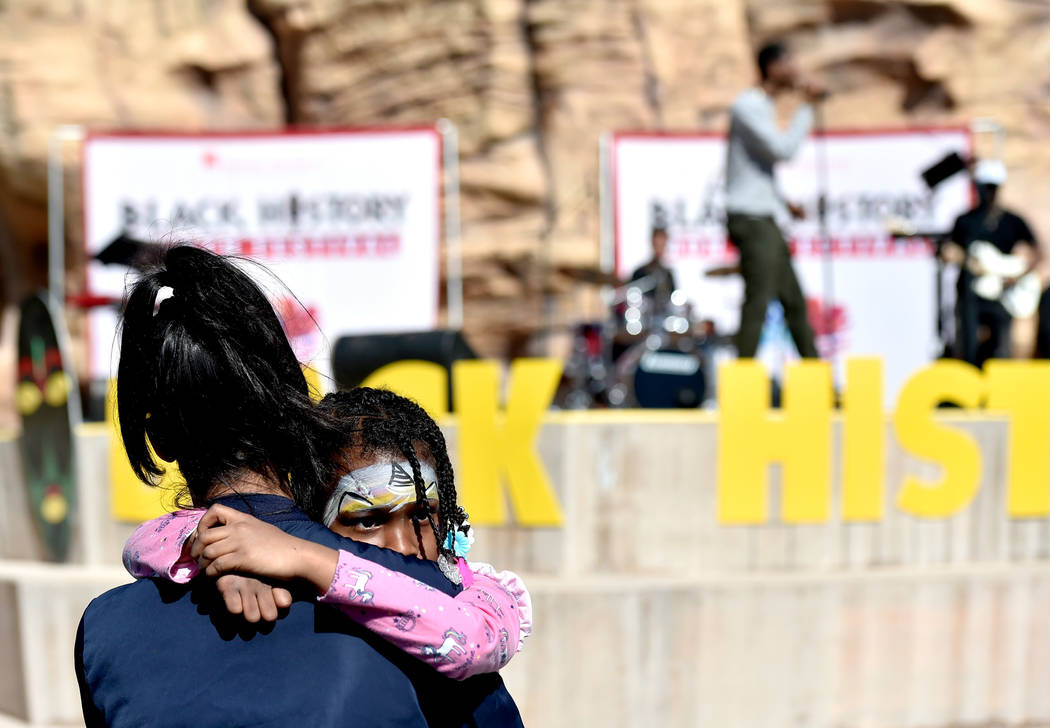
(530, 85)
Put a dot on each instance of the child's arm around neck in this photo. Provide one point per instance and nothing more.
(475, 632)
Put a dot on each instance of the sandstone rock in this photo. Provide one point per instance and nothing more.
(940, 53)
(412, 61)
(530, 85)
(166, 64)
(510, 170)
(700, 59)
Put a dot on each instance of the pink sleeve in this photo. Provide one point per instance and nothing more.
(155, 549)
(513, 584)
(475, 632)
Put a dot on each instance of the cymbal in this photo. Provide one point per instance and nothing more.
(585, 274)
(723, 271)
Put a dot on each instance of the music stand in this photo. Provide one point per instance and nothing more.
(944, 169)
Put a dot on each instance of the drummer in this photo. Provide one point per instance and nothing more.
(654, 278)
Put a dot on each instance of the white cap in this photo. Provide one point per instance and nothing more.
(989, 172)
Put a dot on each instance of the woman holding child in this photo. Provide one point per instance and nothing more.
(207, 378)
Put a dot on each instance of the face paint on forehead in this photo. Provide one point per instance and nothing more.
(386, 485)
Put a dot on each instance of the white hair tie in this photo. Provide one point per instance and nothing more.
(163, 295)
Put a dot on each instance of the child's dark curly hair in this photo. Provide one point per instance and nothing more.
(377, 421)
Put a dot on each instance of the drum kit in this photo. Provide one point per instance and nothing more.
(646, 353)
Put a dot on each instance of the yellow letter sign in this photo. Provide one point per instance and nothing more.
(751, 437)
(956, 452)
(1022, 389)
(131, 500)
(492, 448)
(423, 381)
(863, 441)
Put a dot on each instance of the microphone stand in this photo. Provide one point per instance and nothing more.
(823, 183)
(938, 238)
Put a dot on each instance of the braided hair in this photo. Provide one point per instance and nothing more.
(377, 421)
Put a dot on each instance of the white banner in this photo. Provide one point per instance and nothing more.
(349, 221)
(882, 300)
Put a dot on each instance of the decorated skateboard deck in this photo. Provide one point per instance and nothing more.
(44, 393)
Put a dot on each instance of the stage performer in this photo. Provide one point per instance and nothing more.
(982, 240)
(207, 378)
(657, 278)
(753, 201)
(397, 479)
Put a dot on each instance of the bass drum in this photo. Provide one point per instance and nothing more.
(666, 378)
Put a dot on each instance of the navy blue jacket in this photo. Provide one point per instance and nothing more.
(155, 653)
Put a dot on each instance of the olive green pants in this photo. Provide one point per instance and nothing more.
(765, 264)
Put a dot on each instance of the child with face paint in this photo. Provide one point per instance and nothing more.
(397, 492)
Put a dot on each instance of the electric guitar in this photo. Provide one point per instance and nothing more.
(1021, 299)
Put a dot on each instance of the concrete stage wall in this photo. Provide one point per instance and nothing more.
(649, 613)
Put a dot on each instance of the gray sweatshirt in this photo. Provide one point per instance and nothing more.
(756, 143)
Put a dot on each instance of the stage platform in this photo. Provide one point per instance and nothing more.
(648, 612)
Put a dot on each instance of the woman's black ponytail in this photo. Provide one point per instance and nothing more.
(135, 376)
(208, 377)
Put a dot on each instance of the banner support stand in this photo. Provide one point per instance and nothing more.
(56, 257)
(606, 252)
(453, 248)
(988, 125)
(56, 212)
(826, 254)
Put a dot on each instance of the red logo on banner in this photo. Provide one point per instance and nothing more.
(824, 319)
(829, 323)
(301, 325)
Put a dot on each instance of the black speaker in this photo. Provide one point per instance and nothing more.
(355, 357)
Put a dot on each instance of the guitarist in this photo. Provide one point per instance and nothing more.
(984, 324)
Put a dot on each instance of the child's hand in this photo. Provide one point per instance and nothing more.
(229, 541)
(254, 599)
